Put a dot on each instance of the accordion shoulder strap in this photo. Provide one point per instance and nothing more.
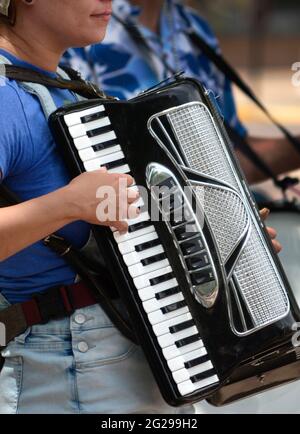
(100, 282)
(224, 66)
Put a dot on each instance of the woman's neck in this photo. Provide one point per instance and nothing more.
(31, 50)
(150, 13)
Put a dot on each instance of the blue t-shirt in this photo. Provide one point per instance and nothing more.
(123, 69)
(31, 166)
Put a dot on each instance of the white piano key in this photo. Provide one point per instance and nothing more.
(80, 130)
(75, 118)
(150, 291)
(133, 235)
(138, 204)
(173, 351)
(96, 163)
(185, 374)
(136, 257)
(178, 362)
(187, 387)
(86, 142)
(139, 269)
(144, 281)
(121, 169)
(154, 304)
(143, 217)
(134, 188)
(106, 159)
(163, 328)
(170, 338)
(91, 165)
(129, 246)
(157, 316)
(89, 153)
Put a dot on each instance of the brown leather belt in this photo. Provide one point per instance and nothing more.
(54, 303)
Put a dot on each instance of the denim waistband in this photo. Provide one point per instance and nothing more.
(87, 318)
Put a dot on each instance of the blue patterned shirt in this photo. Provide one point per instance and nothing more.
(123, 69)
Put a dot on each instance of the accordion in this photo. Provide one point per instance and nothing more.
(207, 296)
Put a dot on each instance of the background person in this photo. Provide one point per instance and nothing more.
(123, 68)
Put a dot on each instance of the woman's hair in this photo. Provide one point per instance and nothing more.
(11, 17)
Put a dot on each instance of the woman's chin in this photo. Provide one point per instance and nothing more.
(96, 37)
(90, 39)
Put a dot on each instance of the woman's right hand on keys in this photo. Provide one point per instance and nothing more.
(96, 197)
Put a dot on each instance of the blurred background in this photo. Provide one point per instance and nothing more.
(262, 39)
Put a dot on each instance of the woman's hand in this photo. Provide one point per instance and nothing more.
(102, 198)
(264, 213)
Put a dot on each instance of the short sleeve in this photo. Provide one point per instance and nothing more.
(14, 134)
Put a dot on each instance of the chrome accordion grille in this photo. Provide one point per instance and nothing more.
(229, 227)
(229, 215)
(200, 142)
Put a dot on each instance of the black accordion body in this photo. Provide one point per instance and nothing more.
(207, 296)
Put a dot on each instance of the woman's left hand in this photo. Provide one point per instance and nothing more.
(264, 213)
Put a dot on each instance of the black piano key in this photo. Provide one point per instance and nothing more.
(175, 200)
(197, 361)
(182, 326)
(105, 145)
(116, 163)
(173, 306)
(201, 277)
(153, 259)
(161, 279)
(202, 375)
(99, 131)
(167, 293)
(138, 226)
(164, 193)
(148, 245)
(177, 217)
(192, 246)
(171, 203)
(169, 183)
(186, 341)
(197, 261)
(183, 232)
(93, 117)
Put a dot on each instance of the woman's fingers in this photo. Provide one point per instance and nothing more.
(277, 246)
(264, 213)
(272, 233)
(133, 197)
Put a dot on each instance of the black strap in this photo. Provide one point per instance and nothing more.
(77, 85)
(247, 150)
(99, 281)
(220, 62)
(137, 36)
(223, 65)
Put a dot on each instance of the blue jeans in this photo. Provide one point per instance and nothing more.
(80, 364)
